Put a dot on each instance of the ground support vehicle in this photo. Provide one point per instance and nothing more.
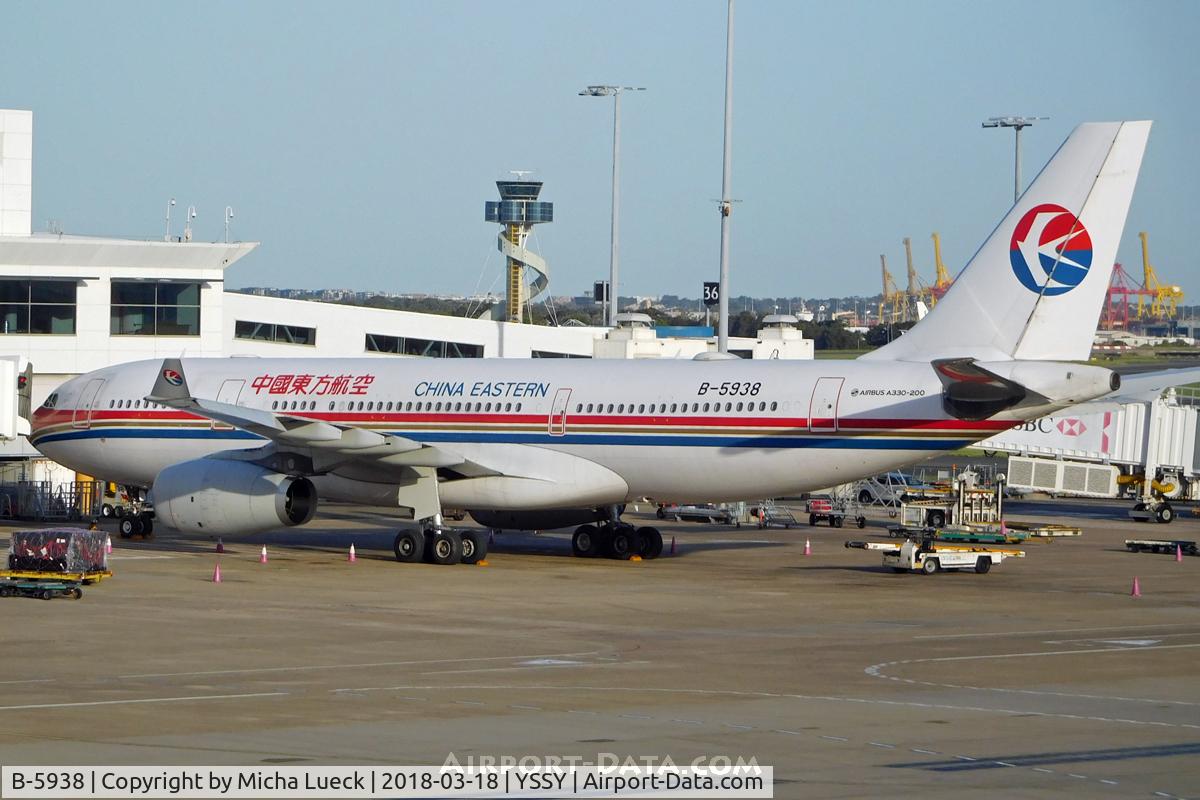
(704, 512)
(1169, 546)
(770, 514)
(42, 586)
(834, 511)
(1156, 509)
(928, 556)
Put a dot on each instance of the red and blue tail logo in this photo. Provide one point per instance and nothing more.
(1051, 251)
(172, 377)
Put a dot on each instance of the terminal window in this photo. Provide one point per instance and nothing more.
(37, 306)
(272, 332)
(146, 308)
(431, 348)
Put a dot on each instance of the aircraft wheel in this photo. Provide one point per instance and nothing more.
(445, 547)
(409, 546)
(128, 527)
(652, 543)
(147, 523)
(474, 547)
(586, 541)
(620, 544)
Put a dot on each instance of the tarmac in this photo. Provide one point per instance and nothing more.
(1042, 678)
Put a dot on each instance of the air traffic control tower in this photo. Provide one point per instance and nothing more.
(518, 210)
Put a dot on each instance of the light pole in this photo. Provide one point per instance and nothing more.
(726, 190)
(167, 235)
(1016, 123)
(228, 216)
(615, 93)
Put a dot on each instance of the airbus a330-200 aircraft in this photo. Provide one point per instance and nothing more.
(240, 445)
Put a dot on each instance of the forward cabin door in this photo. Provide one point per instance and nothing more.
(557, 424)
(231, 392)
(82, 418)
(823, 408)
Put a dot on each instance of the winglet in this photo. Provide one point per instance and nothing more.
(170, 388)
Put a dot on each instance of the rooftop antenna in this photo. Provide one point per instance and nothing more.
(187, 225)
(520, 173)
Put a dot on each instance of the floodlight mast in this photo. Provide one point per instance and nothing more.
(1016, 123)
(726, 196)
(614, 92)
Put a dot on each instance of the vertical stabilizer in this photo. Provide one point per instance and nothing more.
(1035, 288)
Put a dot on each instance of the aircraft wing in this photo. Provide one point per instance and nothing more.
(1141, 387)
(325, 441)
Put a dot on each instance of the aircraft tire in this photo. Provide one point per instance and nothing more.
(445, 547)
(620, 544)
(585, 543)
(147, 523)
(474, 547)
(127, 527)
(409, 546)
(651, 543)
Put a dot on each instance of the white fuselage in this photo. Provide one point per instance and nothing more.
(678, 430)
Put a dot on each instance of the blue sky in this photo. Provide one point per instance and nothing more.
(358, 142)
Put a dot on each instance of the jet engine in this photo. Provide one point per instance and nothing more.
(219, 496)
(539, 520)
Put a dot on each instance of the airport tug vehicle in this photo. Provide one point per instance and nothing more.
(929, 556)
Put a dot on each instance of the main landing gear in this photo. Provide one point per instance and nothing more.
(618, 540)
(437, 545)
(141, 524)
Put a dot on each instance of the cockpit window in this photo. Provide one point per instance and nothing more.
(51, 400)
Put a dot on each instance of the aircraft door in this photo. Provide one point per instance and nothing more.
(823, 408)
(557, 424)
(82, 418)
(231, 390)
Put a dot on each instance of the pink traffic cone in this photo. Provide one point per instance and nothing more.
(262, 557)
(220, 545)
(217, 573)
(1178, 553)
(1137, 590)
(107, 544)
(672, 545)
(807, 547)
(353, 557)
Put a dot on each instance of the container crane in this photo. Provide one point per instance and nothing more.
(891, 298)
(942, 284)
(1116, 302)
(1166, 298)
(917, 293)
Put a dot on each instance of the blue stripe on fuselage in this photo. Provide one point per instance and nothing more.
(503, 437)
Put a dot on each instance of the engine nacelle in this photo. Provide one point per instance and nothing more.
(230, 497)
(542, 520)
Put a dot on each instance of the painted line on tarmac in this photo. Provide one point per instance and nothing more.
(115, 557)
(877, 671)
(190, 699)
(313, 667)
(1056, 630)
(29, 680)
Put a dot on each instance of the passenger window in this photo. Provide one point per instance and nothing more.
(642, 409)
(589, 408)
(672, 408)
(774, 405)
(518, 407)
(508, 406)
(695, 407)
(739, 406)
(621, 408)
(610, 408)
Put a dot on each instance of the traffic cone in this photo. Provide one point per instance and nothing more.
(807, 547)
(262, 557)
(220, 545)
(108, 545)
(1137, 590)
(672, 545)
(1178, 553)
(353, 557)
(217, 573)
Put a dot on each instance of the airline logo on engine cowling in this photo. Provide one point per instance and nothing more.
(1050, 251)
(172, 377)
